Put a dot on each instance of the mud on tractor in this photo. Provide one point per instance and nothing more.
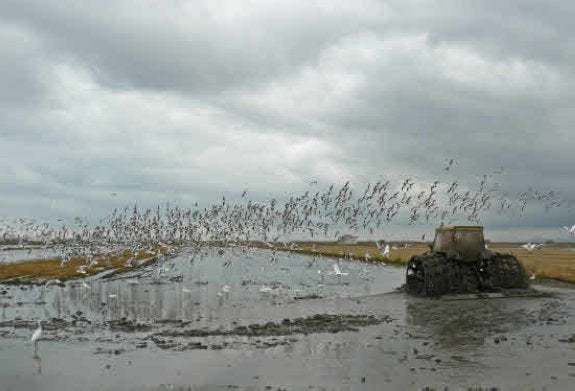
(459, 262)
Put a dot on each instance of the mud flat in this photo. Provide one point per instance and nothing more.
(137, 331)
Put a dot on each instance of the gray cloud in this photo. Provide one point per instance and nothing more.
(190, 101)
(192, 46)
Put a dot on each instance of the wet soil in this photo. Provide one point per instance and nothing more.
(309, 330)
(319, 323)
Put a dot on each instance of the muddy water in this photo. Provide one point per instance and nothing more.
(171, 325)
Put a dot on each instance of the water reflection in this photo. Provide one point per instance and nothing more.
(466, 324)
(37, 363)
(188, 289)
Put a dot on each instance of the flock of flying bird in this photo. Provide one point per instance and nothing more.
(315, 214)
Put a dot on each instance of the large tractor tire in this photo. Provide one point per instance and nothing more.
(435, 274)
(502, 271)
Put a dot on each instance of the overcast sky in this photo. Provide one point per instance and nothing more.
(185, 101)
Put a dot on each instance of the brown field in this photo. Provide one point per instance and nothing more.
(45, 269)
(548, 263)
(358, 251)
(555, 263)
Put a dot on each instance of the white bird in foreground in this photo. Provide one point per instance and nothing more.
(571, 229)
(36, 336)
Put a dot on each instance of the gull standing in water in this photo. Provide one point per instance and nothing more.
(36, 336)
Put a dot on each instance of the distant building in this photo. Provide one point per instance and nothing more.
(347, 239)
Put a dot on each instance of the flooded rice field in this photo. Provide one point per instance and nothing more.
(252, 319)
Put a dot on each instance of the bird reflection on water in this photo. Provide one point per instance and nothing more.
(37, 363)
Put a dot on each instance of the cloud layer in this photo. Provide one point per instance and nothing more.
(189, 101)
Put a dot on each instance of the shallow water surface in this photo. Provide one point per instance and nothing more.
(25, 253)
(172, 324)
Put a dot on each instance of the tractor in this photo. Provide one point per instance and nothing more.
(459, 262)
